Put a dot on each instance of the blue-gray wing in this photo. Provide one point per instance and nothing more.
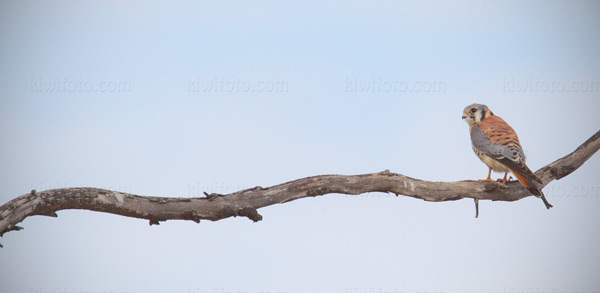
(482, 142)
(506, 152)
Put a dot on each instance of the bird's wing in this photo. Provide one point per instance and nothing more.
(498, 140)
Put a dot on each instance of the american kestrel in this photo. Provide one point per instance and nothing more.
(497, 145)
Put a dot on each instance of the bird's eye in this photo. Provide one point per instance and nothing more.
(473, 110)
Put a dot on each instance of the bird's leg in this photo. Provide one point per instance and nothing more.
(489, 178)
(504, 180)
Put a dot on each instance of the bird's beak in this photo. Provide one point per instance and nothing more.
(464, 116)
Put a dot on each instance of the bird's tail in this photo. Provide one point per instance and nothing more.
(539, 193)
(532, 188)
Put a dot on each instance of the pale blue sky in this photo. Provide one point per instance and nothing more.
(115, 95)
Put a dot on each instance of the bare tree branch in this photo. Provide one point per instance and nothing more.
(246, 202)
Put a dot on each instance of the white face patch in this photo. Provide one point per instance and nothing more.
(478, 115)
(468, 117)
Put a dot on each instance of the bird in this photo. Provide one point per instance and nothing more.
(497, 145)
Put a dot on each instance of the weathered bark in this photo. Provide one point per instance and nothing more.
(246, 202)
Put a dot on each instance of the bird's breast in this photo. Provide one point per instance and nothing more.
(490, 162)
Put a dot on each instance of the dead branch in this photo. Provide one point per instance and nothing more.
(246, 202)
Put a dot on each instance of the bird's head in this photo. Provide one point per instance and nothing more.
(474, 113)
